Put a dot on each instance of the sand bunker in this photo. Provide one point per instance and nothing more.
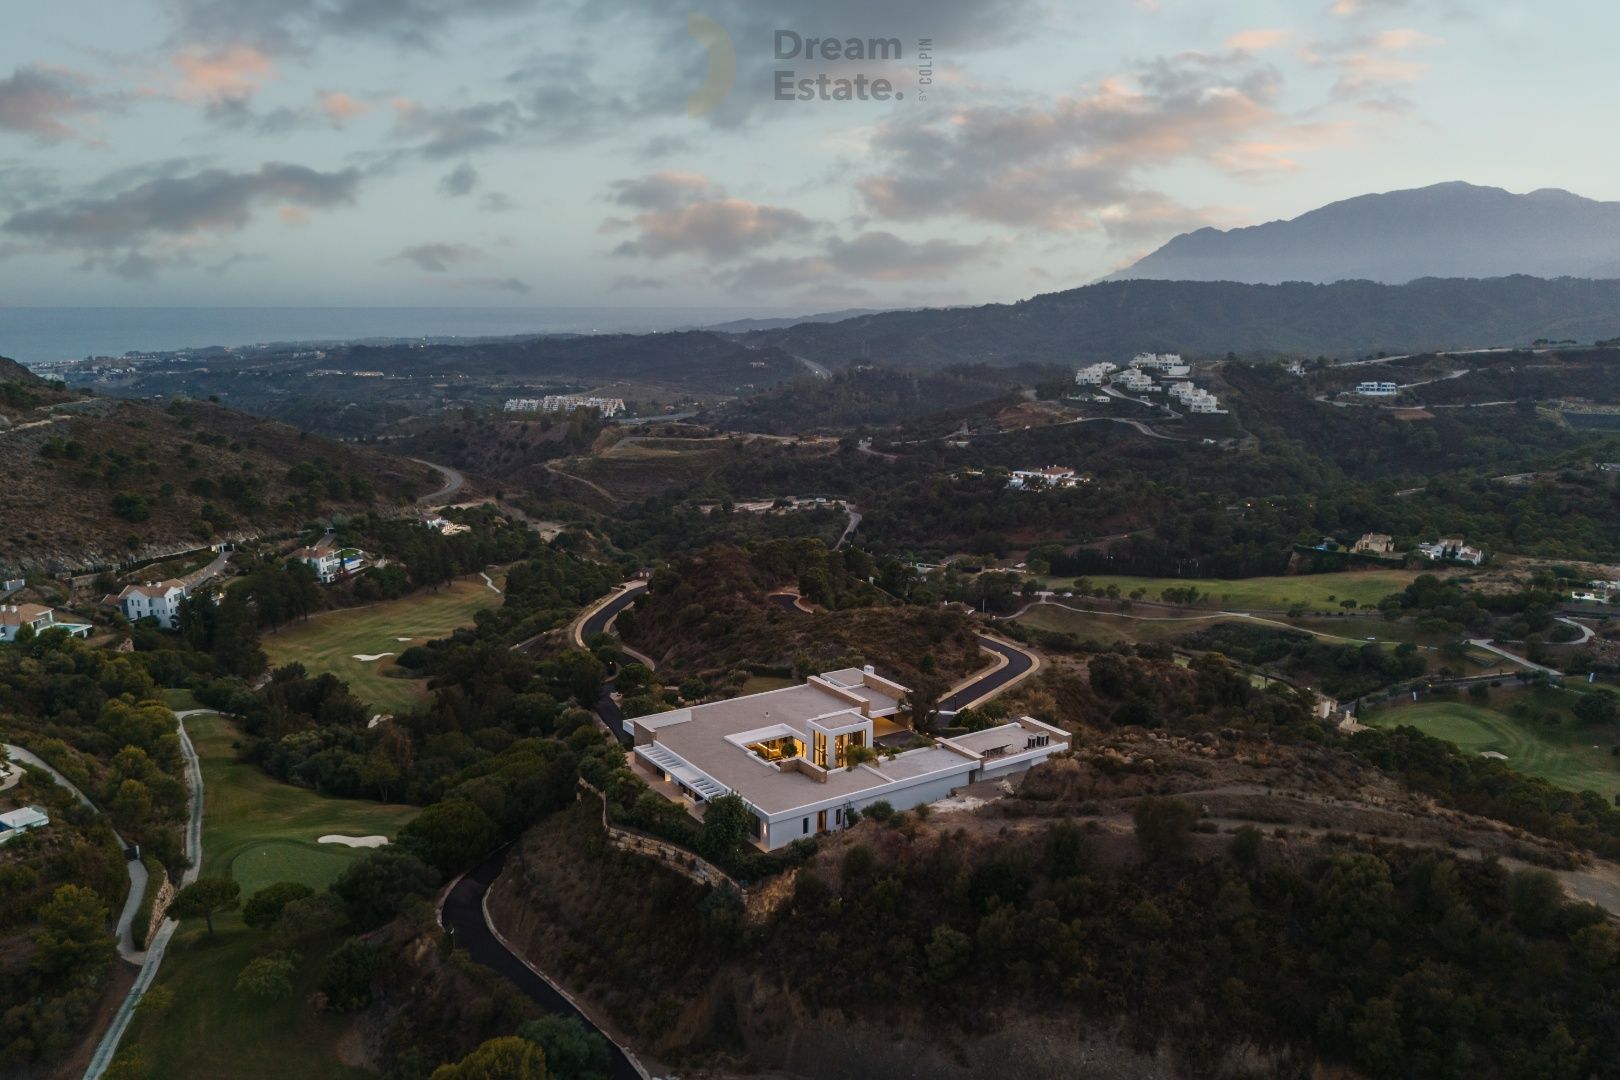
(366, 658)
(404, 639)
(1494, 756)
(354, 841)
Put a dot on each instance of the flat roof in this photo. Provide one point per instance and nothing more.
(702, 737)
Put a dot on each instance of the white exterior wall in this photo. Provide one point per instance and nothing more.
(789, 826)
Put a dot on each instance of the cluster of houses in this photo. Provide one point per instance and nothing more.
(803, 759)
(566, 403)
(1051, 478)
(1138, 378)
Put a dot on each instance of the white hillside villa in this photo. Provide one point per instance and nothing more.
(787, 754)
(13, 617)
(158, 600)
(1053, 476)
(331, 562)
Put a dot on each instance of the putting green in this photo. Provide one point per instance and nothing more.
(311, 864)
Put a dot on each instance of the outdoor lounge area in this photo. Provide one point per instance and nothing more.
(802, 757)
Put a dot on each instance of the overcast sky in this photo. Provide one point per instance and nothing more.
(494, 152)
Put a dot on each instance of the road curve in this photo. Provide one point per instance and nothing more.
(453, 481)
(1018, 663)
(1013, 665)
(465, 915)
(150, 960)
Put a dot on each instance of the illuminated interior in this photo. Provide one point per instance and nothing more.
(777, 749)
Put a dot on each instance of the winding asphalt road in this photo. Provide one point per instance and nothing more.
(453, 482)
(1019, 663)
(596, 622)
(465, 915)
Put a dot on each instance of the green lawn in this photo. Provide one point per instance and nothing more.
(212, 1031)
(259, 831)
(1570, 754)
(331, 641)
(1366, 587)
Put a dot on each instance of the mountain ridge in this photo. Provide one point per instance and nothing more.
(1452, 229)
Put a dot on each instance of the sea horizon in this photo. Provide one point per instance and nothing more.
(45, 334)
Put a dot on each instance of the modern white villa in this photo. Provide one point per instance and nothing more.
(158, 600)
(787, 754)
(13, 617)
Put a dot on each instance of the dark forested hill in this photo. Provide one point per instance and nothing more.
(1111, 319)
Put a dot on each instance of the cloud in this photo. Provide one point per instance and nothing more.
(42, 102)
(684, 213)
(499, 284)
(285, 26)
(438, 258)
(459, 181)
(661, 190)
(870, 256)
(496, 202)
(1256, 40)
(339, 107)
(231, 73)
(1375, 66)
(632, 281)
(167, 217)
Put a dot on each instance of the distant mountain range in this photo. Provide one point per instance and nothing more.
(1447, 230)
(1112, 320)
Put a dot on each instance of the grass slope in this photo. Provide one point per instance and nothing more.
(1366, 587)
(260, 831)
(1570, 754)
(329, 642)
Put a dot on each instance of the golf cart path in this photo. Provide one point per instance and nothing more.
(153, 956)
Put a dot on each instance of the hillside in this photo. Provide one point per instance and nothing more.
(1446, 230)
(94, 482)
(711, 613)
(1111, 320)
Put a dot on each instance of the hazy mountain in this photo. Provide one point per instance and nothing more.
(743, 326)
(1112, 320)
(1447, 230)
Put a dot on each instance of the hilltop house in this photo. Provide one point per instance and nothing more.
(1094, 374)
(158, 600)
(1375, 544)
(331, 562)
(16, 822)
(1453, 549)
(1377, 389)
(1053, 476)
(13, 617)
(790, 755)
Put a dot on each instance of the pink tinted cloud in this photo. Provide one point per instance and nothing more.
(340, 107)
(230, 73)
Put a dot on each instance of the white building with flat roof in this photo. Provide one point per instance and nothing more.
(788, 754)
(1377, 389)
(1094, 374)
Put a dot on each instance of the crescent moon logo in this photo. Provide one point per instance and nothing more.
(722, 65)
